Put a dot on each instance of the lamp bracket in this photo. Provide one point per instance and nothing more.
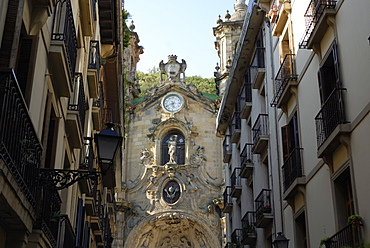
(60, 179)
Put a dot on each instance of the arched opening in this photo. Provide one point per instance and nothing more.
(179, 145)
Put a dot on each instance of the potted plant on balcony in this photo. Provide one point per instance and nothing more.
(325, 241)
(355, 220)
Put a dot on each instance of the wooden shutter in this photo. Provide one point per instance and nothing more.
(285, 141)
(336, 65)
(80, 222)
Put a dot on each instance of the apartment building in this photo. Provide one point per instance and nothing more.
(60, 82)
(294, 118)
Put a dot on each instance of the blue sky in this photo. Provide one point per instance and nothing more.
(182, 28)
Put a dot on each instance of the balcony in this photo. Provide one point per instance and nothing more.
(285, 81)
(236, 238)
(63, 49)
(88, 16)
(331, 123)
(264, 216)
(236, 185)
(245, 99)
(246, 163)
(226, 149)
(50, 214)
(316, 16)
(93, 69)
(260, 134)
(350, 236)
(228, 204)
(20, 148)
(76, 113)
(249, 235)
(283, 10)
(107, 21)
(235, 127)
(292, 173)
(257, 68)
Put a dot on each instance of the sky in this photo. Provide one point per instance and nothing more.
(182, 28)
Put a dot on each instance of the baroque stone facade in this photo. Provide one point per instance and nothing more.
(173, 167)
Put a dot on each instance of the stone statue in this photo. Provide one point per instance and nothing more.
(172, 149)
(172, 69)
(145, 156)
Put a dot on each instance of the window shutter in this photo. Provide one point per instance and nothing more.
(80, 222)
(285, 141)
(321, 91)
(336, 65)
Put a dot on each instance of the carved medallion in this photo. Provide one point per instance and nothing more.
(171, 192)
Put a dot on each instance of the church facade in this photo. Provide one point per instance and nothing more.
(173, 173)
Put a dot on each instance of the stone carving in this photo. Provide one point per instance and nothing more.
(146, 156)
(172, 149)
(172, 69)
(198, 158)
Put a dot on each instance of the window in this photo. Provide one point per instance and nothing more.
(300, 227)
(179, 151)
(344, 197)
(328, 75)
(290, 137)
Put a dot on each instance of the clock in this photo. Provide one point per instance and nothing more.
(172, 102)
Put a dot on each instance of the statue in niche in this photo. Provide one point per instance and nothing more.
(145, 156)
(172, 149)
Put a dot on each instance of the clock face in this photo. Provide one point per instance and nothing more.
(172, 103)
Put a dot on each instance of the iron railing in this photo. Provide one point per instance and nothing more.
(20, 148)
(263, 203)
(260, 127)
(249, 223)
(285, 74)
(332, 114)
(245, 94)
(235, 123)
(246, 157)
(50, 216)
(236, 238)
(257, 62)
(64, 30)
(312, 16)
(77, 101)
(227, 196)
(94, 57)
(107, 232)
(235, 178)
(292, 168)
(350, 236)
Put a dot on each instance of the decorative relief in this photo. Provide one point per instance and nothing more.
(146, 157)
(198, 158)
(171, 192)
(172, 69)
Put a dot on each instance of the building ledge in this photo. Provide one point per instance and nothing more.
(334, 140)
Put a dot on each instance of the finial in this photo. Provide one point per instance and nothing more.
(227, 16)
(219, 21)
(132, 26)
(217, 67)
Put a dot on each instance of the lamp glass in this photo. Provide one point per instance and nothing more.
(281, 241)
(107, 143)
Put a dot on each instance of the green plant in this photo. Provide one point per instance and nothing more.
(55, 216)
(355, 220)
(324, 241)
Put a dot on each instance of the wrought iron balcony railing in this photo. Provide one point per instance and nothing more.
(332, 114)
(312, 16)
(236, 238)
(292, 168)
(263, 203)
(260, 127)
(64, 30)
(20, 148)
(235, 127)
(77, 101)
(245, 94)
(285, 74)
(228, 204)
(257, 68)
(246, 161)
(350, 236)
(49, 221)
(249, 228)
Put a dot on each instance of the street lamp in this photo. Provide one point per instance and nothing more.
(281, 241)
(107, 141)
